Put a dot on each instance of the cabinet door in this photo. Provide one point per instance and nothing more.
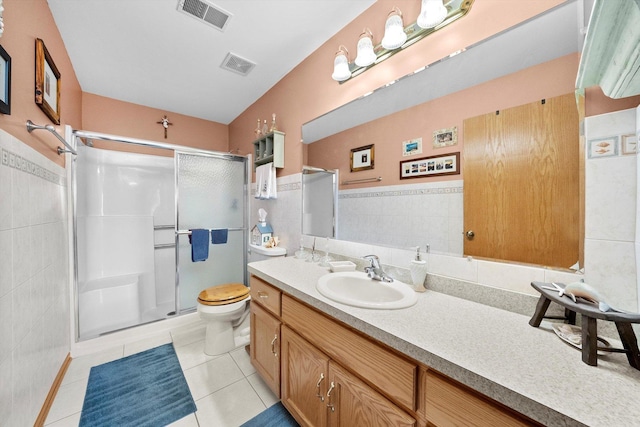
(265, 346)
(304, 372)
(351, 402)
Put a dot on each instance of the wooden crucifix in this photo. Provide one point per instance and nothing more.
(165, 124)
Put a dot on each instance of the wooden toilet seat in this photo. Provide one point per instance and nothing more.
(223, 294)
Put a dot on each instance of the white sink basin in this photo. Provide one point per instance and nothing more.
(358, 290)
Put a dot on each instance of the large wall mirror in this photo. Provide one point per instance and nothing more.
(406, 213)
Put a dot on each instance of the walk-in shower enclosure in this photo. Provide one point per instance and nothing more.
(132, 218)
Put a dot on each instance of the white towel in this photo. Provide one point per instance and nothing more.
(266, 186)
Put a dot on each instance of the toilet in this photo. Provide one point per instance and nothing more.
(260, 253)
(225, 308)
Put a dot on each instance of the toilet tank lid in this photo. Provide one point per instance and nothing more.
(277, 251)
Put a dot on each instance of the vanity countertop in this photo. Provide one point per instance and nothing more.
(491, 350)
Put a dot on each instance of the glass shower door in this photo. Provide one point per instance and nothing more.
(211, 193)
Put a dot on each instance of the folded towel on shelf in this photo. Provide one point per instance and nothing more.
(219, 236)
(266, 185)
(199, 240)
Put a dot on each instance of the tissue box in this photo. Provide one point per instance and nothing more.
(338, 266)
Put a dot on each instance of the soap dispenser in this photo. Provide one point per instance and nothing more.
(418, 271)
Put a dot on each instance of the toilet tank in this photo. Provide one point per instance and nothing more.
(260, 253)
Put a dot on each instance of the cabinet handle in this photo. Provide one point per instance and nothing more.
(318, 394)
(330, 405)
(263, 294)
(273, 345)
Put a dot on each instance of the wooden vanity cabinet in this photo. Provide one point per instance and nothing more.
(265, 342)
(327, 374)
(317, 391)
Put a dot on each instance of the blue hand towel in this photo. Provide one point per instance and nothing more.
(219, 236)
(199, 240)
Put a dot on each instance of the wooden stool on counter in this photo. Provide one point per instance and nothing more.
(589, 313)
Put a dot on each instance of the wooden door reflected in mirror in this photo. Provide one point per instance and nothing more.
(521, 183)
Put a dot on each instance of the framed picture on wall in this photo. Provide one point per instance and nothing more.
(447, 164)
(362, 158)
(5, 82)
(629, 144)
(47, 83)
(445, 137)
(412, 147)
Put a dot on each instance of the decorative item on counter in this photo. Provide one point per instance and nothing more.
(326, 259)
(273, 242)
(576, 290)
(257, 130)
(418, 271)
(273, 127)
(265, 128)
(572, 335)
(302, 253)
(262, 232)
(313, 256)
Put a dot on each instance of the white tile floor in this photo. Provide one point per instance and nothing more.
(227, 390)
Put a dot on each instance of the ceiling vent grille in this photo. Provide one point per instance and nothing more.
(235, 63)
(206, 12)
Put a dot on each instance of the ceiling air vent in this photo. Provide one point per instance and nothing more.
(233, 62)
(207, 12)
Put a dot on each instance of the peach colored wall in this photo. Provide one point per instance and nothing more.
(107, 115)
(596, 102)
(546, 80)
(26, 20)
(308, 90)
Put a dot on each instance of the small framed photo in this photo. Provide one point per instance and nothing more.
(362, 158)
(411, 147)
(447, 164)
(47, 83)
(629, 144)
(602, 147)
(445, 137)
(5, 82)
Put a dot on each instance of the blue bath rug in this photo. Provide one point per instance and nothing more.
(144, 389)
(275, 416)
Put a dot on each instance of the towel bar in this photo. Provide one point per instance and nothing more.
(188, 232)
(32, 126)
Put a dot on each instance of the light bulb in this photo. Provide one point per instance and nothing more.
(366, 56)
(341, 70)
(394, 35)
(432, 13)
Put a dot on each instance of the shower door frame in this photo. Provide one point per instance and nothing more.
(86, 138)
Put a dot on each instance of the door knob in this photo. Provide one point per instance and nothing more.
(470, 234)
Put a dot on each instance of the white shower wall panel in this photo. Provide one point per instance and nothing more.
(118, 183)
(129, 185)
(116, 246)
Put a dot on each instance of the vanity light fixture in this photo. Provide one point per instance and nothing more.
(394, 35)
(434, 15)
(366, 56)
(341, 70)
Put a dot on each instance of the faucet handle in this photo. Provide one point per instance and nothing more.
(373, 259)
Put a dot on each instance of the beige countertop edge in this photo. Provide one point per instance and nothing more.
(298, 279)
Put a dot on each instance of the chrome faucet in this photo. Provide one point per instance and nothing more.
(374, 270)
